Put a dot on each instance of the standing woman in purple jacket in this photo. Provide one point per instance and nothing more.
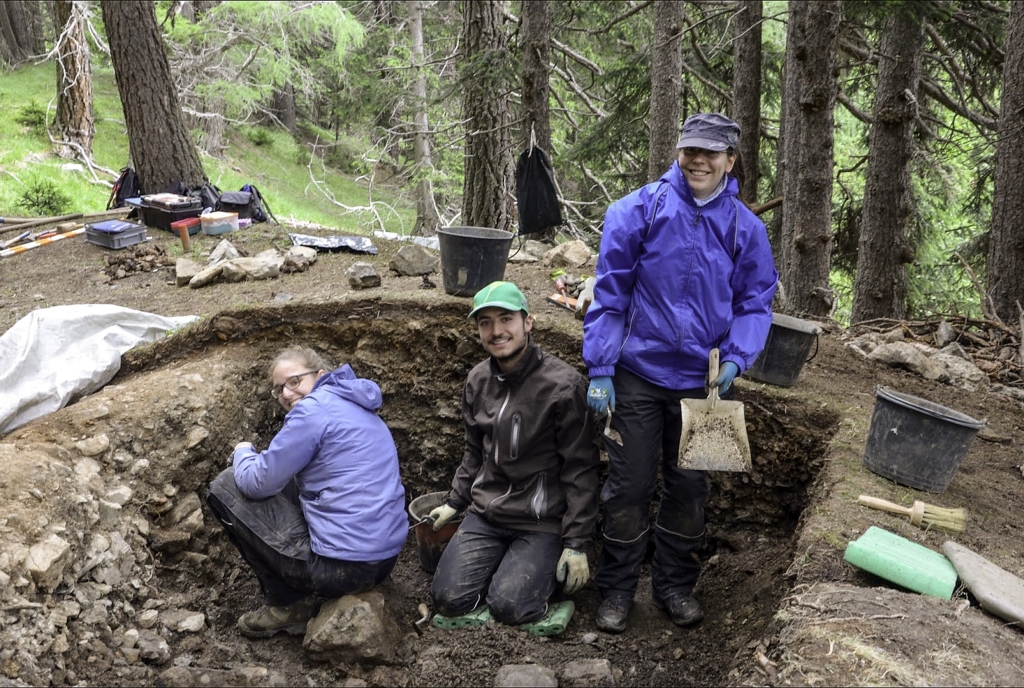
(684, 267)
(321, 512)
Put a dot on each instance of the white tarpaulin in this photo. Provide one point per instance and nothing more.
(54, 355)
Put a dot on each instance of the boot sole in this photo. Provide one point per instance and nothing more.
(294, 629)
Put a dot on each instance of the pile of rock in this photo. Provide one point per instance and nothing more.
(226, 263)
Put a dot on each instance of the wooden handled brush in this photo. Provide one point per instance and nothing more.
(922, 515)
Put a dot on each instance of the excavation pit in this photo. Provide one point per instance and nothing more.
(172, 416)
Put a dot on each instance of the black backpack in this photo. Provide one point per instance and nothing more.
(248, 202)
(126, 186)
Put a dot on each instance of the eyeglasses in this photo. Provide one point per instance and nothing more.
(291, 383)
(709, 154)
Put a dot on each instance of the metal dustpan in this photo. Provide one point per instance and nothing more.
(714, 436)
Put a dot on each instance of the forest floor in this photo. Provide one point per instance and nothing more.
(782, 607)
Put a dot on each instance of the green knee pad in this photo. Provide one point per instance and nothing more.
(477, 617)
(554, 621)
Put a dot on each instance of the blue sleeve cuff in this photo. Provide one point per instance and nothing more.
(602, 371)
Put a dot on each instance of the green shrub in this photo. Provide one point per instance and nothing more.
(44, 198)
(33, 116)
(260, 137)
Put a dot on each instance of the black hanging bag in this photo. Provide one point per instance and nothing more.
(536, 197)
(126, 186)
(248, 202)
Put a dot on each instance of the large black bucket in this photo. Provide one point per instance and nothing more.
(472, 257)
(915, 442)
(785, 351)
(430, 544)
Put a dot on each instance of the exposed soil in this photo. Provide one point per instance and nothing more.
(781, 605)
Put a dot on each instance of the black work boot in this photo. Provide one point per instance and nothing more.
(612, 613)
(268, 620)
(684, 609)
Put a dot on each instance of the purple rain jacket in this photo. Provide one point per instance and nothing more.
(345, 464)
(677, 281)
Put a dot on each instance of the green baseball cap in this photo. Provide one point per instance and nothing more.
(499, 295)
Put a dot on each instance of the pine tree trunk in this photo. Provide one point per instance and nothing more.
(161, 148)
(73, 124)
(535, 73)
(284, 106)
(1006, 243)
(37, 25)
(746, 100)
(488, 188)
(15, 32)
(666, 84)
(427, 218)
(880, 288)
(807, 223)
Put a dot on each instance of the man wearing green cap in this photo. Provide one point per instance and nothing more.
(528, 478)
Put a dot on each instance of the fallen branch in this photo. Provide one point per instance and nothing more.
(770, 205)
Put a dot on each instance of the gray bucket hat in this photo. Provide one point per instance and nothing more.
(710, 131)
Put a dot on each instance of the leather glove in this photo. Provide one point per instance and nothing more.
(726, 375)
(572, 570)
(441, 515)
(601, 395)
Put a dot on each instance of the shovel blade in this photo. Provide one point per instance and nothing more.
(714, 436)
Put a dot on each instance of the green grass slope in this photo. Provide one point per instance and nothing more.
(279, 166)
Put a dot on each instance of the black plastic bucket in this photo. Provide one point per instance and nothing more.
(916, 442)
(472, 257)
(785, 351)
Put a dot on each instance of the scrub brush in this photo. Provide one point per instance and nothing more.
(922, 515)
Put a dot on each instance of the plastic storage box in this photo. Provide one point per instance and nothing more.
(165, 209)
(192, 223)
(116, 234)
(219, 223)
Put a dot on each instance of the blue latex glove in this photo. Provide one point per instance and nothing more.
(601, 395)
(726, 374)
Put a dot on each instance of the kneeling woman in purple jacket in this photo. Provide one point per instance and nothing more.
(321, 512)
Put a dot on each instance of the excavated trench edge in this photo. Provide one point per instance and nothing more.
(747, 514)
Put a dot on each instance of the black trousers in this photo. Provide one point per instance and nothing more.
(514, 569)
(650, 422)
(273, 538)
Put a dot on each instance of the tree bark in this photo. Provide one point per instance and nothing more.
(37, 24)
(666, 85)
(1006, 242)
(201, 7)
(488, 188)
(427, 217)
(535, 74)
(807, 223)
(284, 106)
(880, 287)
(746, 98)
(161, 148)
(73, 125)
(15, 32)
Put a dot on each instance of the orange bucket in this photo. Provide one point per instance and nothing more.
(430, 544)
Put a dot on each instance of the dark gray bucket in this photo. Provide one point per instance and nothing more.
(916, 442)
(785, 351)
(472, 257)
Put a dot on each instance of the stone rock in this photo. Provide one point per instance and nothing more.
(412, 260)
(185, 270)
(193, 524)
(93, 446)
(176, 677)
(47, 560)
(207, 276)
(110, 514)
(588, 672)
(303, 253)
(355, 629)
(362, 276)
(894, 335)
(1008, 391)
(130, 638)
(516, 675)
(571, 254)
(167, 540)
(954, 349)
(240, 269)
(907, 356)
(153, 649)
(535, 248)
(188, 504)
(196, 436)
(224, 250)
(945, 334)
(962, 374)
(183, 621)
(120, 495)
(148, 618)
(186, 677)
